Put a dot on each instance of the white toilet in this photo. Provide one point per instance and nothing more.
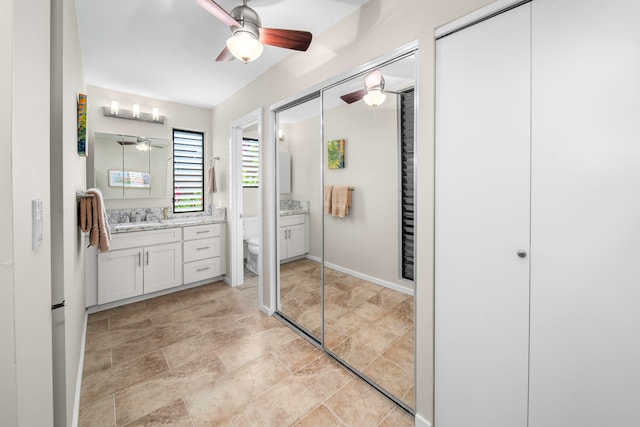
(251, 238)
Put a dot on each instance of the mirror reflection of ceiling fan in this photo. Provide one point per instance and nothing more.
(141, 143)
(248, 37)
(373, 93)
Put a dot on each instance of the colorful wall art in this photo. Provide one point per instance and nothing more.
(82, 124)
(335, 153)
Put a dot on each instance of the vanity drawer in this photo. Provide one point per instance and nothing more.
(144, 238)
(201, 270)
(200, 249)
(288, 220)
(201, 231)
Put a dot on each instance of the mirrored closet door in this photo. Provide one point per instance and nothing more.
(300, 215)
(368, 225)
(346, 221)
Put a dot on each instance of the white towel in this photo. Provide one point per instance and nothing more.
(212, 188)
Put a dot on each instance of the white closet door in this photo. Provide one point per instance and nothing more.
(482, 221)
(585, 265)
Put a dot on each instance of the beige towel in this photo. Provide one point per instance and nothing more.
(212, 188)
(340, 201)
(100, 235)
(327, 199)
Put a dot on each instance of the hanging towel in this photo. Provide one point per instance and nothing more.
(100, 234)
(85, 214)
(327, 199)
(212, 180)
(340, 201)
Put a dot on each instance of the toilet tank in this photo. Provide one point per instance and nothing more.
(249, 227)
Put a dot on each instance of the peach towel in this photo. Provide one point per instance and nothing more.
(340, 201)
(96, 220)
(327, 199)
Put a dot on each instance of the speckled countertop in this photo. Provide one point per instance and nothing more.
(287, 212)
(128, 227)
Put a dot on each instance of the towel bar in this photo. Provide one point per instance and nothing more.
(80, 195)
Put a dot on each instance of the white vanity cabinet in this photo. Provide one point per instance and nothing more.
(203, 249)
(139, 263)
(293, 237)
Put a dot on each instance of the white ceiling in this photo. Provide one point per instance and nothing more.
(166, 49)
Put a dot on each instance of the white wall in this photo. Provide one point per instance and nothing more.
(8, 383)
(380, 26)
(179, 116)
(25, 164)
(68, 172)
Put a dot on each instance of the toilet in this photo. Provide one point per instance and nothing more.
(251, 238)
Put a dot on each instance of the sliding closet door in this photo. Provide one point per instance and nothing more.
(585, 265)
(482, 223)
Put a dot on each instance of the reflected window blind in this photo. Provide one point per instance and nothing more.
(407, 149)
(250, 163)
(188, 171)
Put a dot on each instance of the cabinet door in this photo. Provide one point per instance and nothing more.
(283, 251)
(296, 240)
(482, 221)
(120, 275)
(162, 267)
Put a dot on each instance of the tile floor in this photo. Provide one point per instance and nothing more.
(207, 356)
(368, 326)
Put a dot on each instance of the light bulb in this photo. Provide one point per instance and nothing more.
(374, 98)
(136, 111)
(244, 46)
(155, 113)
(114, 108)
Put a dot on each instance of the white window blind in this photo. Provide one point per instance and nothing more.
(188, 171)
(250, 162)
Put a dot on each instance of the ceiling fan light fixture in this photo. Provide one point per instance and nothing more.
(143, 144)
(374, 98)
(245, 46)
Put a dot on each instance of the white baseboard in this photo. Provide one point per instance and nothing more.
(76, 399)
(366, 277)
(421, 421)
(266, 310)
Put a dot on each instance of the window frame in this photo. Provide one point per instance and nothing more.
(255, 142)
(202, 179)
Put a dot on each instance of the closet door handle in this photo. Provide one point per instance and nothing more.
(139, 259)
(147, 257)
(522, 253)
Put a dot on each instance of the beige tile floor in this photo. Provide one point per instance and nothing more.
(368, 326)
(208, 357)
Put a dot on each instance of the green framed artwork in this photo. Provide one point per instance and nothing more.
(82, 124)
(335, 153)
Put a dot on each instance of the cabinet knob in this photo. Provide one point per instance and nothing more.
(522, 253)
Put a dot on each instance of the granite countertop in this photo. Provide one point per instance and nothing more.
(293, 212)
(128, 227)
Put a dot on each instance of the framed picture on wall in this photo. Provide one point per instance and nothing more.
(335, 153)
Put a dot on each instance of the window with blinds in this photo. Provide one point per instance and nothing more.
(250, 163)
(188, 171)
(406, 168)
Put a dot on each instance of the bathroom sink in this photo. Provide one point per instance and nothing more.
(131, 225)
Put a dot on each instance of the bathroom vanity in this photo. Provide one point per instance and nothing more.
(149, 258)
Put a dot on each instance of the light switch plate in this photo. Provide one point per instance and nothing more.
(36, 221)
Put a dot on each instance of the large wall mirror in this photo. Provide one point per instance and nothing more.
(352, 290)
(133, 167)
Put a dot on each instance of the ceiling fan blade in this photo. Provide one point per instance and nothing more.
(225, 55)
(352, 97)
(288, 39)
(216, 10)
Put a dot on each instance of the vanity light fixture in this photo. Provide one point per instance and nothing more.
(280, 135)
(134, 114)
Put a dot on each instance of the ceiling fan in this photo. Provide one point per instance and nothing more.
(141, 143)
(248, 37)
(373, 93)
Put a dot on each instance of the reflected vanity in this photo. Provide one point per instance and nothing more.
(352, 293)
